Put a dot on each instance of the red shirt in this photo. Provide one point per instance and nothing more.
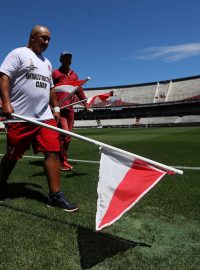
(59, 77)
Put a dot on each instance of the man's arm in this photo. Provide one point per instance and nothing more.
(54, 104)
(81, 95)
(7, 108)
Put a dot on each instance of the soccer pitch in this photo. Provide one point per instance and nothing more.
(161, 232)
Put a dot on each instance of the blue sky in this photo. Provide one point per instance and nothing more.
(113, 42)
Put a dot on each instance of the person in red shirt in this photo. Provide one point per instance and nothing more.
(62, 75)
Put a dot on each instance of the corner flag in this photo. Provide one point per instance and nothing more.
(68, 89)
(99, 98)
(123, 181)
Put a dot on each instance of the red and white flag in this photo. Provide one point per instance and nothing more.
(91, 100)
(99, 98)
(69, 87)
(65, 90)
(123, 181)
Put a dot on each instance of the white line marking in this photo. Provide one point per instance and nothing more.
(75, 160)
(97, 162)
(26, 156)
(187, 168)
(84, 161)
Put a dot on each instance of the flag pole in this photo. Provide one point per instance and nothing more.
(72, 104)
(71, 94)
(100, 144)
(75, 103)
(83, 100)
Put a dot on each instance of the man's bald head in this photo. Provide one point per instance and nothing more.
(39, 29)
(39, 39)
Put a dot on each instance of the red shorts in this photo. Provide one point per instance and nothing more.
(22, 134)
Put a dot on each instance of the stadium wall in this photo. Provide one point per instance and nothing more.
(149, 93)
(178, 97)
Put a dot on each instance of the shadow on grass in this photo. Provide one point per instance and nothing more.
(71, 174)
(68, 174)
(95, 247)
(25, 190)
(39, 163)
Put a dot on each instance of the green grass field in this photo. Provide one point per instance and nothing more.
(161, 232)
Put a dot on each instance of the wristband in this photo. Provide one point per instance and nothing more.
(56, 109)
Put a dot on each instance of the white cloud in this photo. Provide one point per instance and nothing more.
(170, 53)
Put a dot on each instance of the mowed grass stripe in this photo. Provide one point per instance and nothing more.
(97, 162)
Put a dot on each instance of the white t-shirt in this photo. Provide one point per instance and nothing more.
(30, 83)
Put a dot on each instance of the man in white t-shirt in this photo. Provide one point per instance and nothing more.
(26, 89)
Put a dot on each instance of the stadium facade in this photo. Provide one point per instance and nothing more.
(166, 102)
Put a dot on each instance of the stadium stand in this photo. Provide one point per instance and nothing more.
(146, 122)
(170, 120)
(148, 93)
(1, 126)
(171, 102)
